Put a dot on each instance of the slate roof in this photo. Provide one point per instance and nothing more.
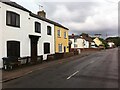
(47, 20)
(14, 4)
(86, 37)
(75, 36)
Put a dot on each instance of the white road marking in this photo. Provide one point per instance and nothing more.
(92, 61)
(72, 75)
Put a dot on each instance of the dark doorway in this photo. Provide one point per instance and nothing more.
(13, 49)
(64, 49)
(34, 42)
(69, 47)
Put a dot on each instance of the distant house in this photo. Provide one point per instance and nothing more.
(87, 40)
(98, 42)
(93, 45)
(76, 41)
(111, 44)
(81, 41)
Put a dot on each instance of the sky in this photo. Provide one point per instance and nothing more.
(80, 16)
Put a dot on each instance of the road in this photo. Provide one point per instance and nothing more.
(98, 70)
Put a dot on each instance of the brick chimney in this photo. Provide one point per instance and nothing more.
(42, 13)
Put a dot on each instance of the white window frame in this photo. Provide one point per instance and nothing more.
(60, 48)
(65, 35)
(58, 33)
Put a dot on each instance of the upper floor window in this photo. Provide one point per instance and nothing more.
(65, 36)
(58, 32)
(12, 19)
(49, 32)
(37, 27)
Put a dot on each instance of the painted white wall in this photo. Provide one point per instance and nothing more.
(18, 34)
(111, 44)
(86, 44)
(72, 45)
(12, 33)
(93, 45)
(79, 42)
(1, 35)
(44, 37)
(22, 34)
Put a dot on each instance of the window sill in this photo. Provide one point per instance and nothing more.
(65, 38)
(13, 26)
(49, 35)
(47, 53)
(59, 37)
(60, 52)
(38, 32)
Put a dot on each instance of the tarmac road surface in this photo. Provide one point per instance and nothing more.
(98, 70)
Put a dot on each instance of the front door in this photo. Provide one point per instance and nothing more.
(34, 42)
(64, 49)
(33, 51)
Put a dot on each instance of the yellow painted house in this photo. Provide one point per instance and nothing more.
(97, 41)
(61, 39)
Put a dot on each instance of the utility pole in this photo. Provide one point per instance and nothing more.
(73, 36)
(98, 35)
(106, 35)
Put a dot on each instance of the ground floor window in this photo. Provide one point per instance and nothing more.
(46, 48)
(60, 47)
(13, 48)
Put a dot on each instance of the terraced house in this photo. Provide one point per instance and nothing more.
(25, 35)
(61, 39)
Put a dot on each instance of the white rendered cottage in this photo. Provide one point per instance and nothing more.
(82, 41)
(24, 34)
(77, 42)
(111, 44)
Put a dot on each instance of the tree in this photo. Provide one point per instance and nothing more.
(105, 44)
(115, 40)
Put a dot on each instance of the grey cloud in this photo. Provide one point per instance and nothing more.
(84, 10)
(78, 13)
(103, 32)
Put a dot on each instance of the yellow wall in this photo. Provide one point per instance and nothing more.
(61, 39)
(97, 42)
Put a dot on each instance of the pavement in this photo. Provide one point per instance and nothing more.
(22, 71)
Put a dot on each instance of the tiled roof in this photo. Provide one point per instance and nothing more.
(75, 36)
(14, 4)
(86, 37)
